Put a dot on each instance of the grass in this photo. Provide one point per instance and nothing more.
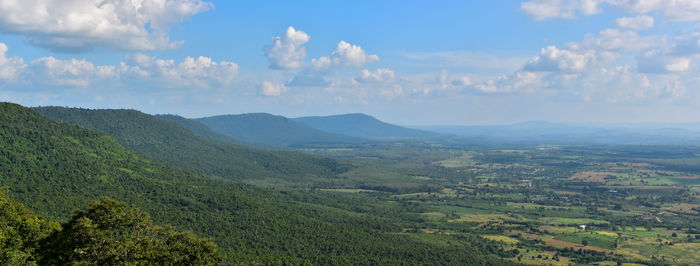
(571, 221)
(596, 240)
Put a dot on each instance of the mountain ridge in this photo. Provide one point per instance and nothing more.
(364, 126)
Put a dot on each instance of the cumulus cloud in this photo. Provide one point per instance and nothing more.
(139, 69)
(380, 75)
(287, 51)
(351, 55)
(555, 59)
(78, 25)
(200, 72)
(10, 67)
(640, 22)
(72, 72)
(272, 89)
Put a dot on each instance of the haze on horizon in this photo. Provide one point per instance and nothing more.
(410, 63)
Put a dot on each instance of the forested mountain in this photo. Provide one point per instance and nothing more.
(55, 168)
(199, 128)
(364, 126)
(174, 144)
(271, 129)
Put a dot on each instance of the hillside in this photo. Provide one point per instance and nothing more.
(199, 128)
(272, 129)
(174, 144)
(54, 168)
(364, 126)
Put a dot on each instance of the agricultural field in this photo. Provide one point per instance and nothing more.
(556, 205)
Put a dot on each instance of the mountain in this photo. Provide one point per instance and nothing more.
(364, 126)
(199, 128)
(172, 143)
(541, 132)
(54, 168)
(272, 129)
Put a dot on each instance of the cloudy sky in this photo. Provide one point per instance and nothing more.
(407, 62)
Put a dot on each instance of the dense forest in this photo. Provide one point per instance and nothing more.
(174, 144)
(107, 233)
(55, 169)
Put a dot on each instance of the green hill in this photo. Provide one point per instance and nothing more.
(364, 126)
(172, 143)
(199, 128)
(55, 168)
(271, 129)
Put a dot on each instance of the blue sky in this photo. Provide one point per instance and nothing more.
(407, 62)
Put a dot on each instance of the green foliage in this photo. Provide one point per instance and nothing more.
(20, 232)
(111, 233)
(54, 168)
(173, 143)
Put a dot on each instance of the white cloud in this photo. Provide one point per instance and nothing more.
(380, 75)
(554, 59)
(656, 62)
(346, 54)
(201, 72)
(139, 69)
(287, 51)
(673, 10)
(616, 40)
(640, 22)
(622, 84)
(272, 89)
(521, 81)
(10, 67)
(79, 25)
(73, 72)
(462, 81)
(547, 9)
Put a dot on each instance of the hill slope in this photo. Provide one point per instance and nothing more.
(272, 129)
(174, 144)
(364, 126)
(54, 168)
(199, 128)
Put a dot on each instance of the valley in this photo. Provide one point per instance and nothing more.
(347, 202)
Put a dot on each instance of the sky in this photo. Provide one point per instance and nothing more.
(406, 62)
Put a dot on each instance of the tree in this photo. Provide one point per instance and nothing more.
(584, 242)
(110, 232)
(20, 231)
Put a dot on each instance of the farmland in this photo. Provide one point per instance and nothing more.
(554, 205)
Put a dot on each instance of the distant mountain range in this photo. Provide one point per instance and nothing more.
(540, 132)
(272, 129)
(364, 126)
(265, 128)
